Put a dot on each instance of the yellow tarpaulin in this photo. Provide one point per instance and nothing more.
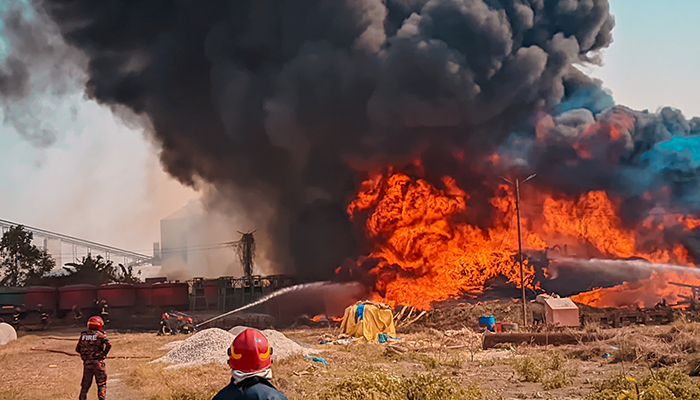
(375, 320)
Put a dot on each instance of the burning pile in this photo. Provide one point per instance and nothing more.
(425, 250)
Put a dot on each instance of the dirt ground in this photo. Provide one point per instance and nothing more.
(29, 371)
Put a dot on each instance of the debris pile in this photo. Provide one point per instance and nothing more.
(210, 346)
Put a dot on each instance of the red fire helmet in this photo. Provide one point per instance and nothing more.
(180, 318)
(166, 315)
(95, 323)
(189, 320)
(250, 352)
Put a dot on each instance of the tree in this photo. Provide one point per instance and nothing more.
(22, 262)
(96, 270)
(127, 275)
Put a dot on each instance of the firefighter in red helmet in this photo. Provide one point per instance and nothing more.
(165, 328)
(250, 357)
(180, 323)
(93, 347)
(187, 327)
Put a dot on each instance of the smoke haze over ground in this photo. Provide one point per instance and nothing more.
(282, 103)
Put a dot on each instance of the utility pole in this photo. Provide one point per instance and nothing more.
(520, 240)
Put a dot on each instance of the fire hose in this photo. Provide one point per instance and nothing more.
(77, 355)
(266, 298)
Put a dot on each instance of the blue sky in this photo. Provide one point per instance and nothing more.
(102, 181)
(654, 59)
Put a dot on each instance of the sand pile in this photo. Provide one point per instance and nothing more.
(210, 346)
(7, 333)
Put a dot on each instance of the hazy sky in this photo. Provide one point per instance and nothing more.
(101, 181)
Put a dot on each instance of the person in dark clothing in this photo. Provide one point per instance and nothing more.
(18, 316)
(104, 311)
(45, 317)
(187, 327)
(165, 328)
(180, 323)
(250, 359)
(77, 313)
(93, 348)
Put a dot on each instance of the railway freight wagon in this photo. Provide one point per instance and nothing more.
(11, 297)
(150, 298)
(228, 293)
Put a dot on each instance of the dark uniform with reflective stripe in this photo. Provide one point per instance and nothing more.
(250, 389)
(93, 347)
(165, 328)
(187, 329)
(104, 313)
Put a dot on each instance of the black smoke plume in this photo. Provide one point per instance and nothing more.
(287, 100)
(36, 70)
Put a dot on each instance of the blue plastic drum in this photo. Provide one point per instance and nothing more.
(488, 322)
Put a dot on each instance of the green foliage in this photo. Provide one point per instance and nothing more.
(94, 270)
(551, 370)
(21, 262)
(666, 384)
(381, 385)
(530, 368)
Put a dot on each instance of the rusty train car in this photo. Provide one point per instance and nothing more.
(123, 299)
(152, 297)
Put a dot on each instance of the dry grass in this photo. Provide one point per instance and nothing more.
(652, 346)
(352, 366)
(665, 384)
(381, 385)
(60, 374)
(197, 383)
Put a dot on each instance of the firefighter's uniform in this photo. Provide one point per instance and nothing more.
(104, 312)
(93, 347)
(187, 329)
(165, 328)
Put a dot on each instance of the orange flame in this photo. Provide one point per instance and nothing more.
(426, 252)
(319, 317)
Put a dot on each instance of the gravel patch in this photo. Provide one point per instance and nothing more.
(210, 346)
(282, 346)
(171, 345)
(204, 347)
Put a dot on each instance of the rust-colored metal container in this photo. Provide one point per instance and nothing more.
(144, 294)
(211, 292)
(117, 294)
(82, 296)
(47, 296)
(172, 295)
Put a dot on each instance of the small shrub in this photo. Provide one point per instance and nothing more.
(551, 370)
(531, 368)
